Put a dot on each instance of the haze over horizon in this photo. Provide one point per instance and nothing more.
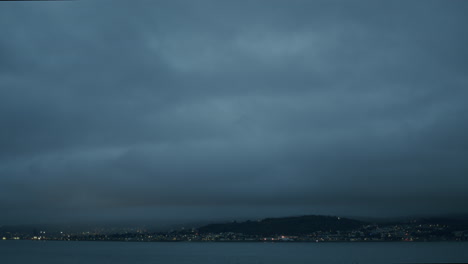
(202, 110)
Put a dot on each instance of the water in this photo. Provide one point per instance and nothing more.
(51, 252)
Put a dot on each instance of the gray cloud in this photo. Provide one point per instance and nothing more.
(205, 110)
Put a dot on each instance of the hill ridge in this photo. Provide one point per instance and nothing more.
(292, 225)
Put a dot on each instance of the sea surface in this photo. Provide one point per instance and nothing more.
(51, 252)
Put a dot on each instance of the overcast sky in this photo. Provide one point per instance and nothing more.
(189, 110)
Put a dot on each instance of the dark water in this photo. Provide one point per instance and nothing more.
(52, 252)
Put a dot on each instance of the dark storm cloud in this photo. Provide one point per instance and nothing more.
(220, 109)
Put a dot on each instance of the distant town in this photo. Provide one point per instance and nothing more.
(290, 229)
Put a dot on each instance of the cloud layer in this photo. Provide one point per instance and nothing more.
(208, 109)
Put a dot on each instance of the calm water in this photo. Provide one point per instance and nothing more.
(52, 252)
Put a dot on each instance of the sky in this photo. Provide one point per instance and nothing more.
(205, 110)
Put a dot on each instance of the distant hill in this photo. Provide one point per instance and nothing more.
(286, 225)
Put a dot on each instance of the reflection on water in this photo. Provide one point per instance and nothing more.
(52, 252)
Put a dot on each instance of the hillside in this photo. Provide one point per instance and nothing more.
(285, 226)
